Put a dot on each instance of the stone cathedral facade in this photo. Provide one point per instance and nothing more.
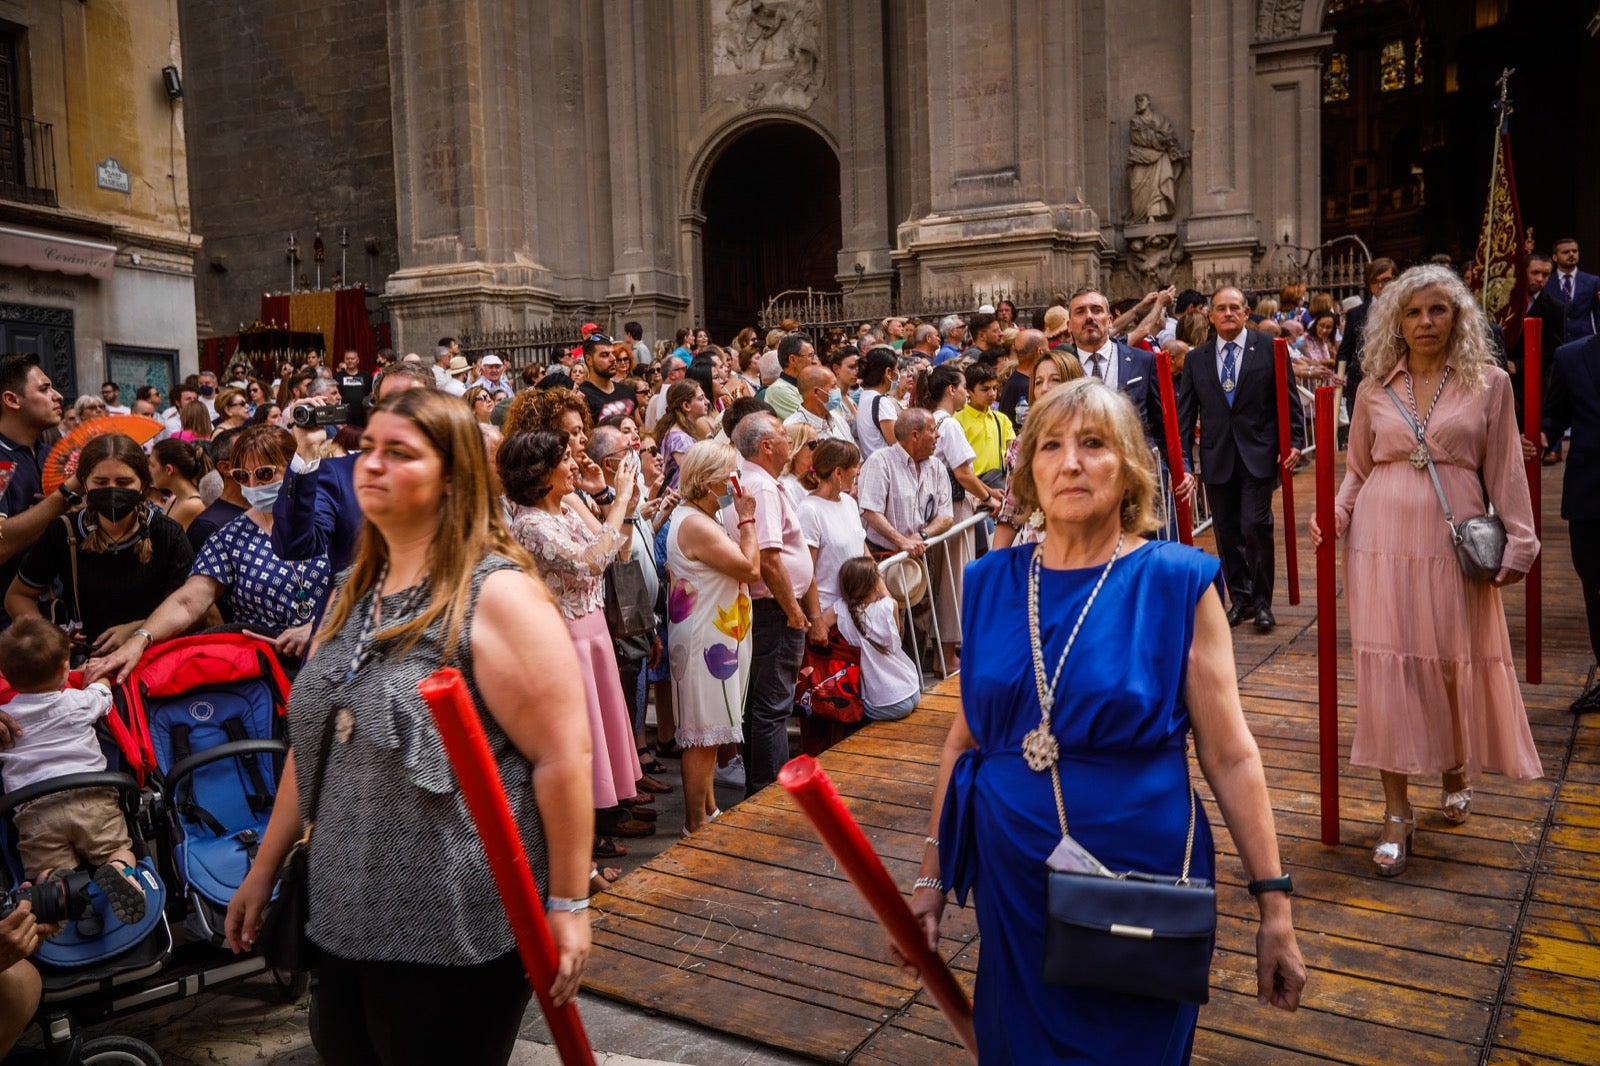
(506, 163)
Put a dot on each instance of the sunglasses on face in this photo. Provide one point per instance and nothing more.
(260, 475)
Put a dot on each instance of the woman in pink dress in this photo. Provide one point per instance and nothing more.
(1436, 688)
(572, 550)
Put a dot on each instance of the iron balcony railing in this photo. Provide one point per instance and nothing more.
(28, 162)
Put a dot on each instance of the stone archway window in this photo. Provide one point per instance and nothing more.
(1336, 79)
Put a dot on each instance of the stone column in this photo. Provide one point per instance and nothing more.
(460, 85)
(998, 213)
(1221, 234)
(858, 32)
(643, 285)
(1287, 140)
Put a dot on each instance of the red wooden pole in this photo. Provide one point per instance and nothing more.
(1327, 622)
(808, 783)
(1291, 546)
(1169, 405)
(1533, 417)
(468, 748)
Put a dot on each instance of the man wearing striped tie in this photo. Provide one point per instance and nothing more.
(1229, 388)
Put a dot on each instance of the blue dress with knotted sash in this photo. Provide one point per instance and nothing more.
(1122, 724)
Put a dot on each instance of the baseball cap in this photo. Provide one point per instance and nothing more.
(490, 360)
(588, 328)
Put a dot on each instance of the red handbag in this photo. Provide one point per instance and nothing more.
(829, 683)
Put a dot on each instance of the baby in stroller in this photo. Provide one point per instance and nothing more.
(56, 737)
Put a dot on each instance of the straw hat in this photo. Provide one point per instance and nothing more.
(907, 582)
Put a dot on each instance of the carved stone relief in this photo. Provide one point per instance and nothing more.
(780, 40)
(1278, 18)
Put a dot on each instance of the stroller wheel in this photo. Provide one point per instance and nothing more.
(118, 1051)
(293, 986)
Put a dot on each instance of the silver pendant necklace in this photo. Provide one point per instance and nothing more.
(1039, 747)
(1420, 456)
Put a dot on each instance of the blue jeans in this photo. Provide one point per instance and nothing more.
(776, 654)
(893, 711)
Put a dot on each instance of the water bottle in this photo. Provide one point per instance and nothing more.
(1022, 412)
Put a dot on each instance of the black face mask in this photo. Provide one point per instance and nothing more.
(113, 503)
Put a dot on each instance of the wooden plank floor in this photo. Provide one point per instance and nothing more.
(1487, 950)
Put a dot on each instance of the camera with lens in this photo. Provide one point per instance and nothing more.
(307, 417)
(61, 897)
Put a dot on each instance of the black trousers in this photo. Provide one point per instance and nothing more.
(1241, 515)
(775, 657)
(1585, 538)
(397, 1014)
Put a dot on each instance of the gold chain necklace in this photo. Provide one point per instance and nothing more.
(1039, 747)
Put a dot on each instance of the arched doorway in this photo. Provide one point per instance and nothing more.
(772, 222)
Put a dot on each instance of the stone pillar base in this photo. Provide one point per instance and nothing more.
(1221, 247)
(655, 299)
(1028, 248)
(474, 298)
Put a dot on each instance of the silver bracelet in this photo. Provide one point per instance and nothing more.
(931, 840)
(560, 905)
(928, 882)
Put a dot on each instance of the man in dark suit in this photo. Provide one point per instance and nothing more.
(1574, 403)
(1379, 273)
(1545, 304)
(1131, 371)
(1230, 387)
(1579, 290)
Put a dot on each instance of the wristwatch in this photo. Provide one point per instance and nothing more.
(1271, 884)
(72, 498)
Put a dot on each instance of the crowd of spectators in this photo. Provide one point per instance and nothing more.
(741, 499)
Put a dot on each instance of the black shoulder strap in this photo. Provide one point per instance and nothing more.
(876, 421)
(323, 750)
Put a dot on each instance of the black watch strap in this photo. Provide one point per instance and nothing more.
(1271, 884)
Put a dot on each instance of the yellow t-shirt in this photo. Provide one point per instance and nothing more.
(989, 432)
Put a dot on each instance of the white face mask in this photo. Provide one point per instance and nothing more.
(262, 497)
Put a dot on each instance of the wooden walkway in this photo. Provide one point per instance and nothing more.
(1486, 951)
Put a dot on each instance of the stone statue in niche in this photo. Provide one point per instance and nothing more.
(1155, 161)
(776, 35)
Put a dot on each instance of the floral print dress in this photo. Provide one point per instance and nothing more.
(708, 615)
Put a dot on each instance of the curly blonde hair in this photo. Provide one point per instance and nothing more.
(1467, 346)
(1104, 409)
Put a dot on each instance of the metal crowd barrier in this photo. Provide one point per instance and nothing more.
(941, 543)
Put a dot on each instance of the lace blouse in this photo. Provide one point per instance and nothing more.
(571, 559)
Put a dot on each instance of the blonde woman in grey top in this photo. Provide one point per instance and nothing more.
(418, 961)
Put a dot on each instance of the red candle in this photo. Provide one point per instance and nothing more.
(1291, 545)
(1169, 406)
(808, 783)
(1532, 420)
(468, 748)
(1327, 623)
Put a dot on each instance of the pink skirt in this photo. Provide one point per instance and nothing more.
(616, 760)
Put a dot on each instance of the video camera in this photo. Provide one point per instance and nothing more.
(307, 417)
(61, 897)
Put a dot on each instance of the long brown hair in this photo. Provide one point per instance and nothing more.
(471, 524)
(858, 577)
(116, 448)
(678, 394)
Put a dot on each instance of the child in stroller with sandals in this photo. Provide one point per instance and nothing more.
(56, 737)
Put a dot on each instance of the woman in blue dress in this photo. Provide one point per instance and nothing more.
(1152, 659)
